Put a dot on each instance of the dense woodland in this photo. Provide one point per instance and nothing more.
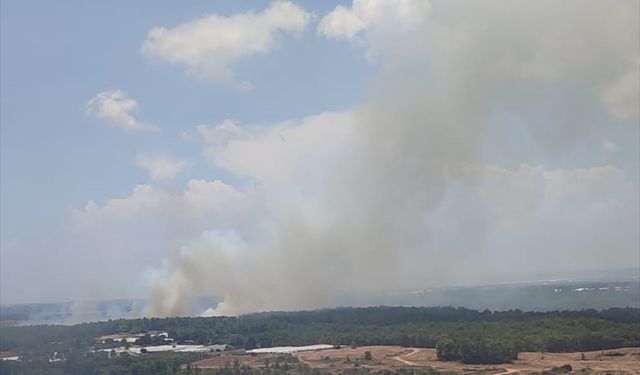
(458, 334)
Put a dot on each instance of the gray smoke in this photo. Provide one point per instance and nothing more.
(477, 158)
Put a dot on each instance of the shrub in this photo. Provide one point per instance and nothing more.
(476, 351)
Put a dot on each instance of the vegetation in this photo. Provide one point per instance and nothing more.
(305, 370)
(476, 350)
(459, 334)
(166, 363)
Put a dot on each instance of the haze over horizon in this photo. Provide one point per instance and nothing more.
(276, 153)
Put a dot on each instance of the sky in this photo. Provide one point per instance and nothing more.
(167, 150)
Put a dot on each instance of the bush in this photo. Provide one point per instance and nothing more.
(476, 351)
(559, 370)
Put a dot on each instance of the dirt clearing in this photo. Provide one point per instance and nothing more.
(375, 358)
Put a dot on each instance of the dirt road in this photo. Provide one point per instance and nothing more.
(403, 358)
(508, 371)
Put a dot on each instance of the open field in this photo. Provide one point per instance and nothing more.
(627, 361)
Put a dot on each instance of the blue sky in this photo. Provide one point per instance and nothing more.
(55, 57)
(129, 146)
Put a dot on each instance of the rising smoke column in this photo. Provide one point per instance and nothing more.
(425, 184)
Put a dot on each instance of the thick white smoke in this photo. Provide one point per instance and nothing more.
(476, 159)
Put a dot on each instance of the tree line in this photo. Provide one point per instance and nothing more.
(457, 333)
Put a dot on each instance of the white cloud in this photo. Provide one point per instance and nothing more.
(214, 134)
(201, 200)
(372, 19)
(278, 153)
(116, 107)
(160, 167)
(342, 22)
(209, 46)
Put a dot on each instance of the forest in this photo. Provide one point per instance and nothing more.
(458, 334)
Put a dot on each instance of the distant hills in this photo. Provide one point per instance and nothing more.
(593, 290)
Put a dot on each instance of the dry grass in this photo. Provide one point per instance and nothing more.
(626, 361)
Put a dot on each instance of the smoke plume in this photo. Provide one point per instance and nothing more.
(476, 158)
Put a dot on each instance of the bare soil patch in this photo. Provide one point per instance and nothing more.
(617, 361)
